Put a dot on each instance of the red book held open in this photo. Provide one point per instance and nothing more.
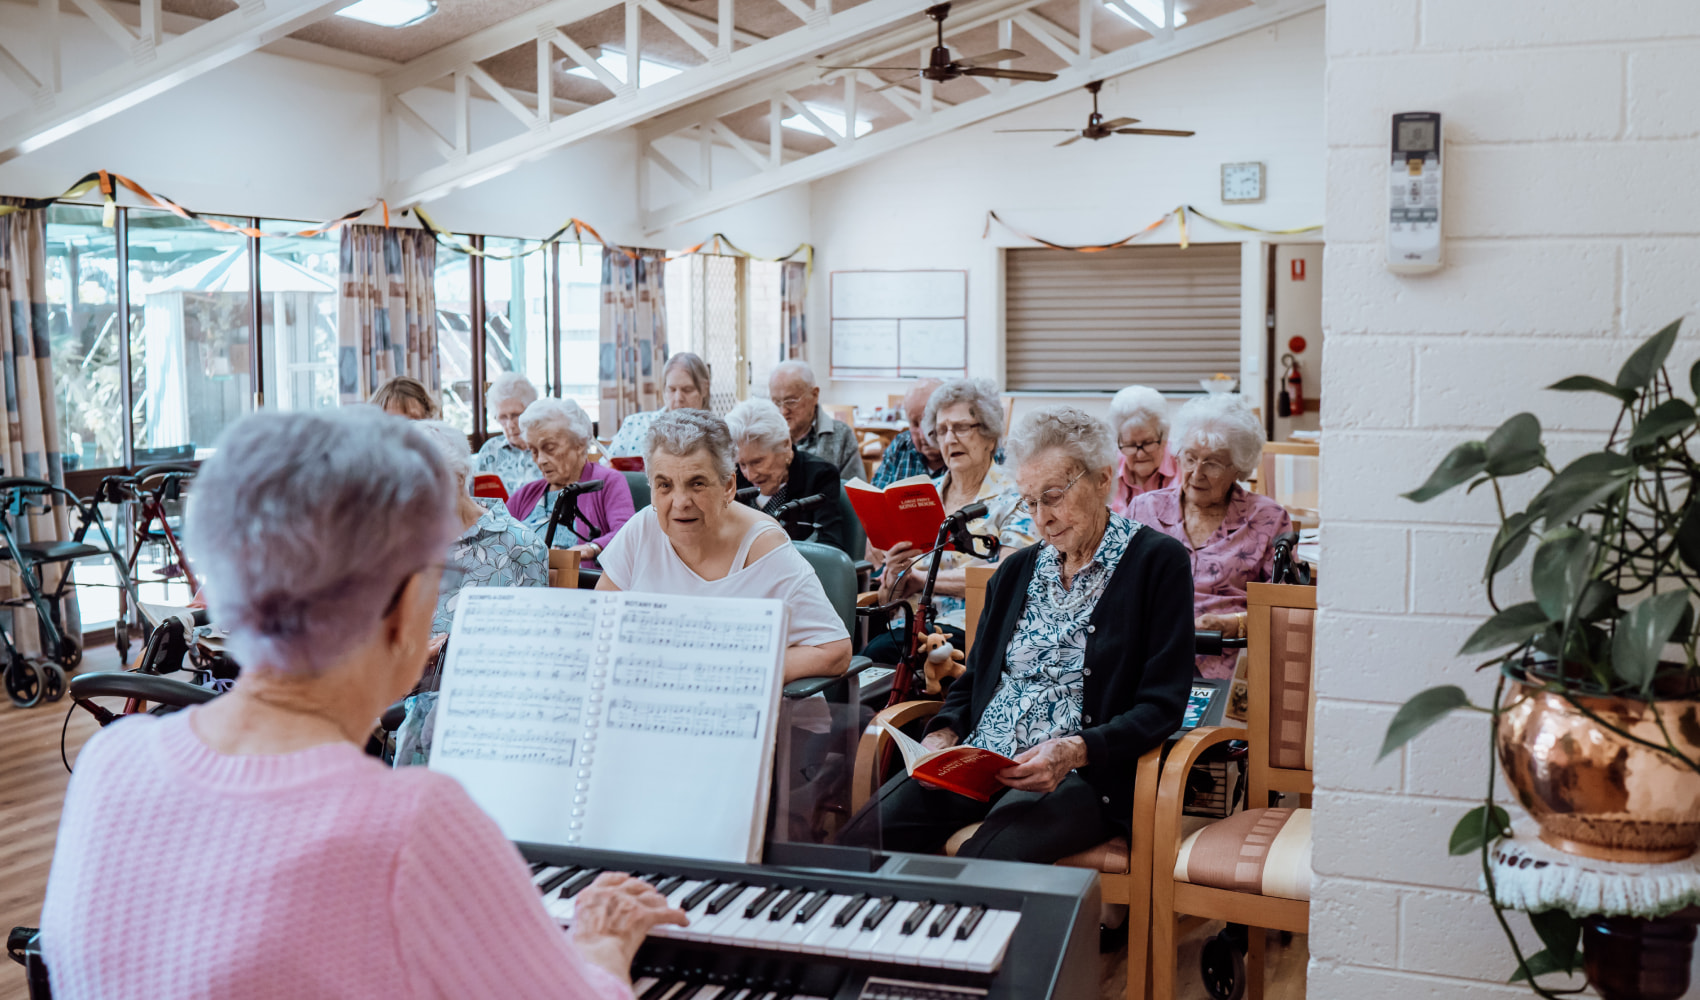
(965, 770)
(908, 510)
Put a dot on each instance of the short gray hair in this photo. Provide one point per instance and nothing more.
(799, 370)
(1221, 422)
(981, 394)
(549, 415)
(510, 385)
(1067, 429)
(307, 524)
(758, 422)
(1139, 404)
(452, 446)
(682, 433)
(695, 367)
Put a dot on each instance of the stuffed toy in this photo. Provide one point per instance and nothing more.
(943, 663)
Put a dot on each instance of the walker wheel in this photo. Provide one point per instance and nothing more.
(70, 653)
(52, 681)
(1223, 968)
(23, 683)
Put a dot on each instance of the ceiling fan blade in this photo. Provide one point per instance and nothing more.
(876, 69)
(1009, 74)
(1115, 123)
(1072, 138)
(1153, 131)
(990, 57)
(1033, 130)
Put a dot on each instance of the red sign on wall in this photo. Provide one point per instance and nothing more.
(1298, 269)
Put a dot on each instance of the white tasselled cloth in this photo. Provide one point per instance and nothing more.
(1531, 875)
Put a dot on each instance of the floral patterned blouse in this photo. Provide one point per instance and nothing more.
(1003, 518)
(500, 458)
(1040, 696)
(634, 431)
(1241, 551)
(497, 551)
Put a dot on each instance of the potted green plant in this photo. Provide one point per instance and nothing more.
(1596, 731)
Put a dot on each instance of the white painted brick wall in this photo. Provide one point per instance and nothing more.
(1572, 129)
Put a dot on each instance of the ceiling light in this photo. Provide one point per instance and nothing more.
(390, 13)
(833, 119)
(614, 61)
(1152, 9)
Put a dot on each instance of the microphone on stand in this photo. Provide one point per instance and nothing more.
(792, 506)
(748, 494)
(568, 501)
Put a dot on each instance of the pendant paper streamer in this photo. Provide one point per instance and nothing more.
(1180, 214)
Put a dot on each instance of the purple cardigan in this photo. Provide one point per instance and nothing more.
(610, 506)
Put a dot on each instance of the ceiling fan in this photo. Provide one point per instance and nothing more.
(1098, 128)
(941, 67)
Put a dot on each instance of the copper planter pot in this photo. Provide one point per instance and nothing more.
(1595, 793)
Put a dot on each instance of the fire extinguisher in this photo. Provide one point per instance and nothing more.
(1291, 402)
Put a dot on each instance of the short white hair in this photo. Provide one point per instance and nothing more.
(1067, 429)
(307, 524)
(798, 370)
(758, 422)
(682, 433)
(981, 394)
(453, 447)
(1142, 406)
(555, 416)
(510, 385)
(1221, 422)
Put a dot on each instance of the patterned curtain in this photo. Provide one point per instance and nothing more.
(634, 335)
(29, 438)
(387, 314)
(793, 289)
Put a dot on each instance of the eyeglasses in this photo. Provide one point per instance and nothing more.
(1049, 498)
(1210, 467)
(960, 430)
(1142, 446)
(789, 402)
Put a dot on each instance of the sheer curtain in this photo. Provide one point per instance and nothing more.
(387, 310)
(29, 438)
(634, 335)
(793, 289)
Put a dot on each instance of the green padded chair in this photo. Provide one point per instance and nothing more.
(639, 483)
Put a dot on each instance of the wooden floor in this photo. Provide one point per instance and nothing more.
(32, 791)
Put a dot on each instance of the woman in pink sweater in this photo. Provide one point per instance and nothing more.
(247, 848)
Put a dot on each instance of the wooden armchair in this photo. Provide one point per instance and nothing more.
(563, 568)
(1124, 868)
(1254, 866)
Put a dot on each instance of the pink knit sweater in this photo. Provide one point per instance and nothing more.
(184, 873)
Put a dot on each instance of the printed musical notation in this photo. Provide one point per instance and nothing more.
(528, 662)
(494, 703)
(682, 631)
(507, 745)
(730, 721)
(675, 675)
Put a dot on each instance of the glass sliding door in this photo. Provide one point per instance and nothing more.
(516, 316)
(298, 318)
(455, 334)
(85, 332)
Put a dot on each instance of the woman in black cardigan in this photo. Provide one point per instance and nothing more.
(1083, 662)
(781, 472)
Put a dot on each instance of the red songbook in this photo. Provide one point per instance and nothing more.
(964, 770)
(626, 463)
(908, 510)
(489, 487)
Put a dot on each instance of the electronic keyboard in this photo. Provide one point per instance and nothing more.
(899, 927)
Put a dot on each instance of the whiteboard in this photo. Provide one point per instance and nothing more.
(867, 345)
(899, 294)
(933, 344)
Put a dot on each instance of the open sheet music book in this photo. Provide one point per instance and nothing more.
(619, 721)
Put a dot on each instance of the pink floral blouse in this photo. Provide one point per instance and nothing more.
(1241, 551)
(1125, 489)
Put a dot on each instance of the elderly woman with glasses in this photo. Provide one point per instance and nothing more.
(684, 386)
(781, 472)
(317, 871)
(558, 433)
(1230, 532)
(1083, 663)
(694, 540)
(506, 455)
(964, 419)
(1140, 417)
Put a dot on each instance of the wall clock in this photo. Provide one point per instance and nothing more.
(1242, 182)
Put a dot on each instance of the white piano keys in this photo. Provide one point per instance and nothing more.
(880, 944)
(994, 940)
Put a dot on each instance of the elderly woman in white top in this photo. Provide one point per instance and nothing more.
(508, 456)
(693, 539)
(1140, 418)
(321, 872)
(684, 386)
(1230, 532)
(558, 432)
(964, 418)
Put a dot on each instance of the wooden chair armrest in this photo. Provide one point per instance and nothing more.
(1171, 789)
(868, 599)
(866, 779)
